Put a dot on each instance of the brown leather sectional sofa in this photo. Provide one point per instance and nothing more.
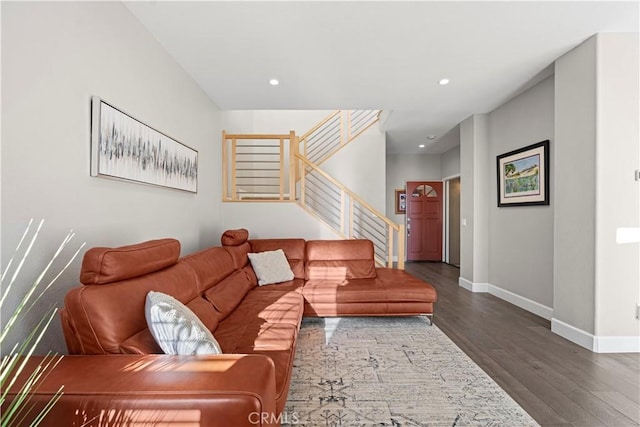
(256, 327)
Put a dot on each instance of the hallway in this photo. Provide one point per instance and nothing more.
(557, 382)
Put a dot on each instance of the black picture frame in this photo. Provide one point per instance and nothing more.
(523, 176)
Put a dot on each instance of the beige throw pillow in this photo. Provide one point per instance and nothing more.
(271, 267)
(176, 329)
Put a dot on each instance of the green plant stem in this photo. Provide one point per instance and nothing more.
(24, 257)
(12, 366)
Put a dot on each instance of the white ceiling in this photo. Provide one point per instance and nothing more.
(376, 55)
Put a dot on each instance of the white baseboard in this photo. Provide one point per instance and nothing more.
(619, 344)
(515, 299)
(464, 283)
(595, 343)
(573, 334)
(471, 286)
(522, 302)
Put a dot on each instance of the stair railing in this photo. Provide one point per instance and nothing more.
(259, 167)
(335, 132)
(348, 214)
(267, 167)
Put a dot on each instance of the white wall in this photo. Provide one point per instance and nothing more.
(574, 211)
(271, 121)
(274, 220)
(361, 166)
(451, 158)
(617, 193)
(55, 56)
(521, 238)
(506, 251)
(481, 191)
(597, 280)
(466, 199)
(474, 201)
(451, 161)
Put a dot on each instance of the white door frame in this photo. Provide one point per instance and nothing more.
(445, 223)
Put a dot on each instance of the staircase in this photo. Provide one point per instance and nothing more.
(334, 132)
(286, 168)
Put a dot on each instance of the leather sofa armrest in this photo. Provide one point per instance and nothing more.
(219, 390)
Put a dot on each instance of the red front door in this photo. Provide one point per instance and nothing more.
(424, 221)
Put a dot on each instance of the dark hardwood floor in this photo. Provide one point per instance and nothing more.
(557, 382)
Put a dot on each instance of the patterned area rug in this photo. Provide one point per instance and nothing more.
(370, 371)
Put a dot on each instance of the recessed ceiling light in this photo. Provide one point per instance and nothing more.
(431, 137)
(443, 82)
(274, 82)
(421, 146)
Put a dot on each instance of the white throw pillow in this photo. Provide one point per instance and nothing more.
(271, 267)
(176, 329)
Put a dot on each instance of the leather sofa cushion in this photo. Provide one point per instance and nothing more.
(261, 337)
(340, 270)
(235, 242)
(154, 390)
(283, 362)
(262, 306)
(318, 309)
(205, 312)
(104, 316)
(339, 259)
(251, 275)
(226, 295)
(210, 266)
(239, 254)
(141, 343)
(266, 322)
(389, 286)
(234, 237)
(343, 291)
(402, 286)
(294, 285)
(144, 343)
(107, 265)
(293, 250)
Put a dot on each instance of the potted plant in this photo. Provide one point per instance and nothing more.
(13, 363)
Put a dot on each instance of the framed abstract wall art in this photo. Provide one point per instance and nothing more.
(125, 148)
(523, 176)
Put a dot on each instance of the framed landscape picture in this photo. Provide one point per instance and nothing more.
(523, 176)
(125, 148)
